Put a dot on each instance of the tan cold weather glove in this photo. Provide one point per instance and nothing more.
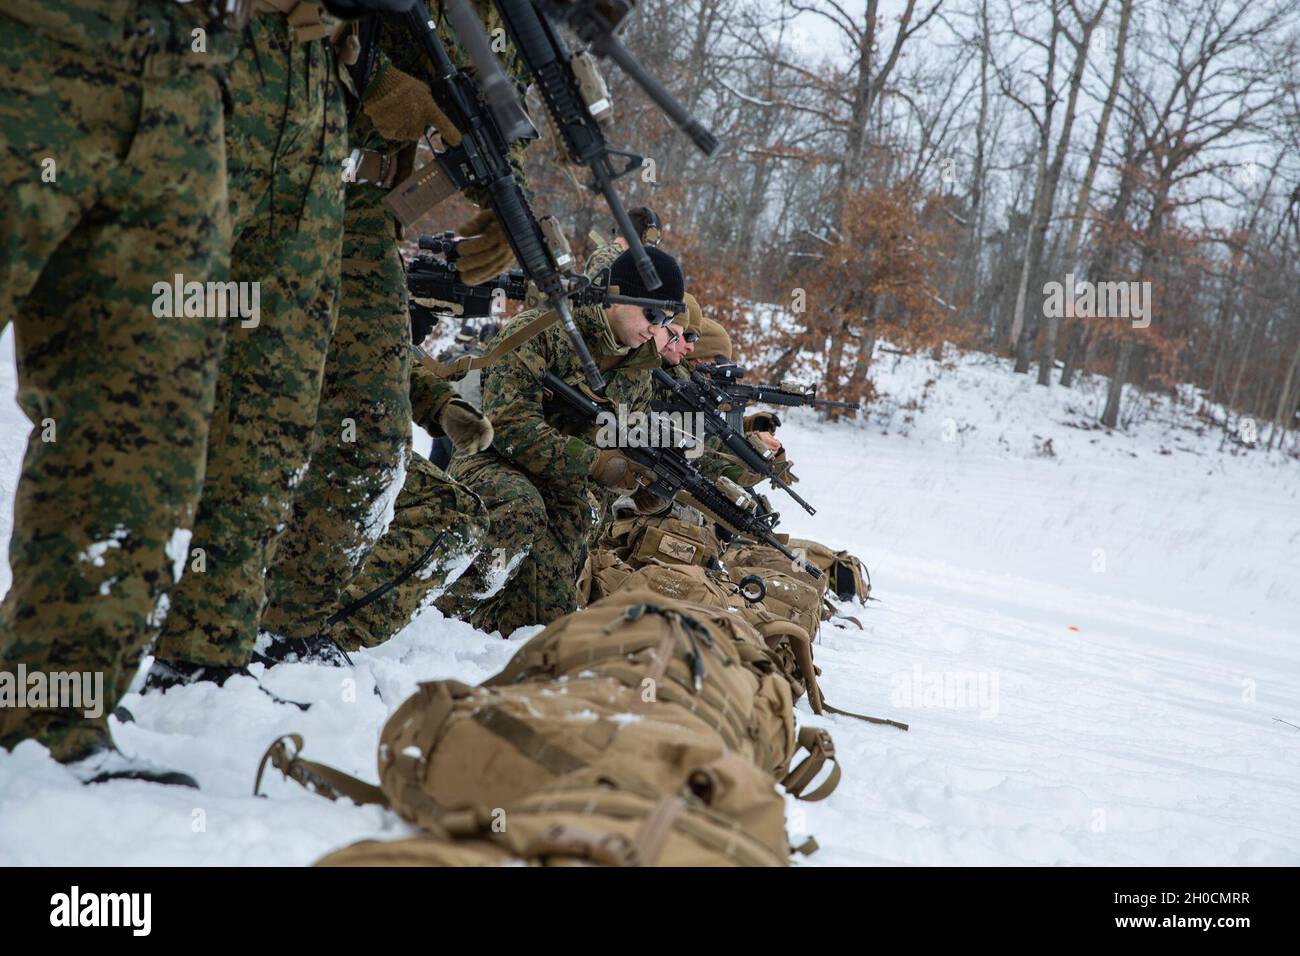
(468, 428)
(649, 503)
(762, 422)
(484, 253)
(614, 470)
(402, 108)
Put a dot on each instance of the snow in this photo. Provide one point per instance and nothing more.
(1090, 634)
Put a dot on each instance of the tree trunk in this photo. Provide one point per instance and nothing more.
(1285, 413)
(1076, 354)
(1048, 357)
(1110, 417)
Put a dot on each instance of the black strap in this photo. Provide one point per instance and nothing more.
(368, 37)
(374, 595)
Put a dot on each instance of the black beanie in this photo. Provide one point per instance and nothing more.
(623, 274)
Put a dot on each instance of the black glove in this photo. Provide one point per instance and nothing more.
(423, 322)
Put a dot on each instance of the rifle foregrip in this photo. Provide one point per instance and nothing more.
(521, 229)
(530, 37)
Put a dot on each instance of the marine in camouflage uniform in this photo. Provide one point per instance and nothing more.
(287, 137)
(439, 526)
(113, 181)
(361, 449)
(543, 472)
(648, 229)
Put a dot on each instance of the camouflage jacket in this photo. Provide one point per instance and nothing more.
(602, 258)
(112, 30)
(533, 432)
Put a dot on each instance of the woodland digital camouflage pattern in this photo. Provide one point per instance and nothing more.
(534, 479)
(287, 145)
(129, 132)
(433, 512)
(363, 431)
(341, 508)
(602, 258)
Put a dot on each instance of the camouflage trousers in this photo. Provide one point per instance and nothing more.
(287, 143)
(438, 527)
(362, 438)
(112, 184)
(528, 572)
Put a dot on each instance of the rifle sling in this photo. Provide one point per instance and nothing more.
(467, 363)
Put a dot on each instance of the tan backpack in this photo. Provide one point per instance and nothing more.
(641, 540)
(452, 746)
(602, 574)
(656, 694)
(703, 657)
(788, 643)
(845, 575)
(787, 596)
(584, 823)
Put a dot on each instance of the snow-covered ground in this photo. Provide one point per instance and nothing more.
(1091, 640)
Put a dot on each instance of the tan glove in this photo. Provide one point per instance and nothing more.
(402, 108)
(649, 503)
(484, 253)
(468, 428)
(614, 470)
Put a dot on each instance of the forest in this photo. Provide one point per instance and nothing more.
(1018, 178)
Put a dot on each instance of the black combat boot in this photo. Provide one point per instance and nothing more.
(105, 762)
(164, 675)
(317, 649)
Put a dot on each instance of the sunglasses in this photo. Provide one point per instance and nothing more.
(692, 337)
(656, 316)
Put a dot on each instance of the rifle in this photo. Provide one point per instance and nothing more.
(482, 159)
(700, 395)
(595, 23)
(674, 474)
(428, 277)
(739, 395)
(431, 277)
(575, 96)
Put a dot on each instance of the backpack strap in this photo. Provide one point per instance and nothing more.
(316, 777)
(457, 367)
(801, 645)
(653, 834)
(527, 741)
(831, 613)
(820, 749)
(871, 720)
